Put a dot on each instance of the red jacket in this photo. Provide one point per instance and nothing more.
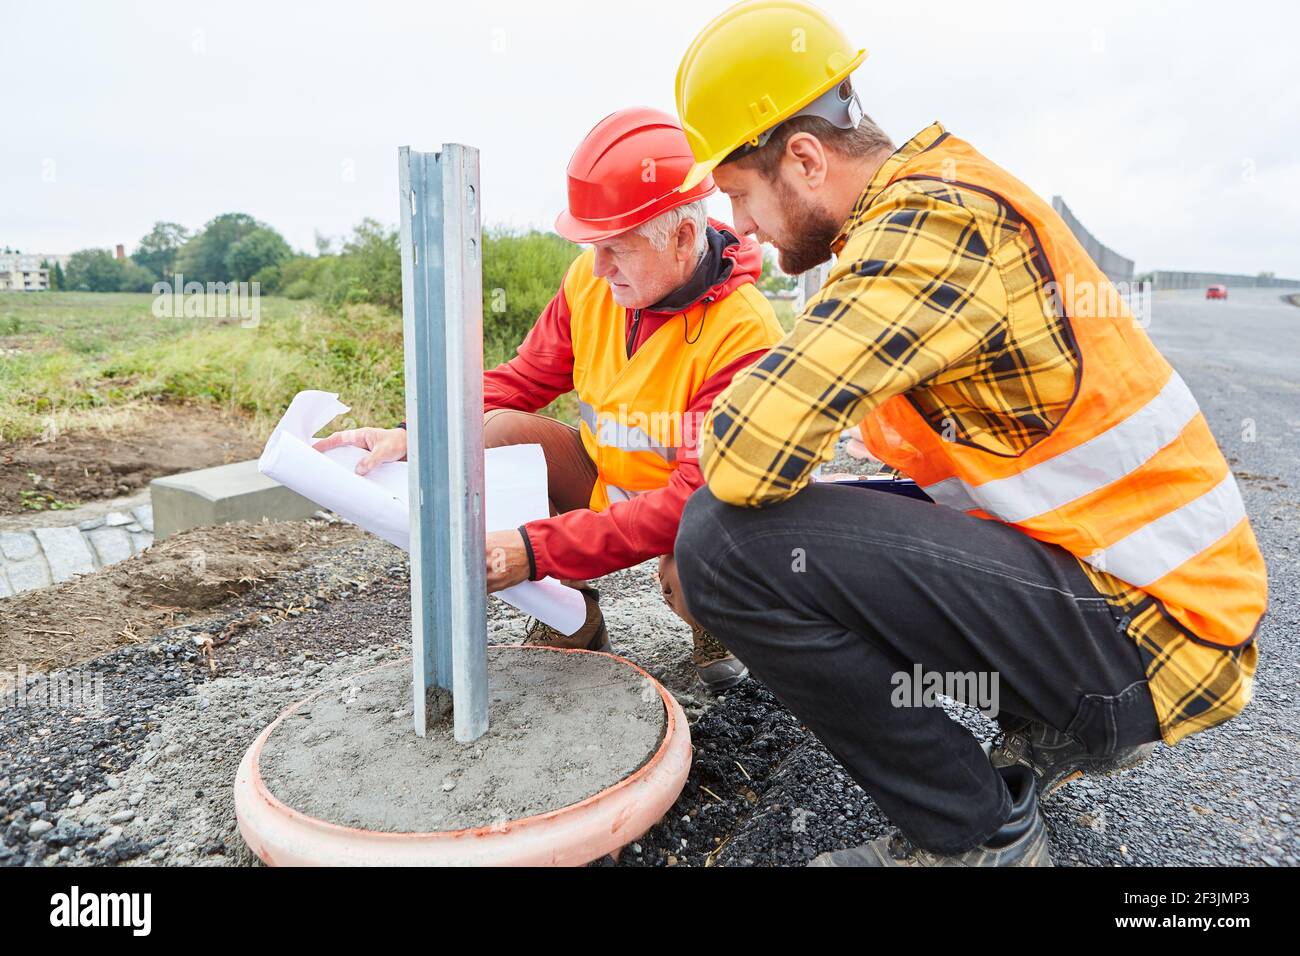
(583, 543)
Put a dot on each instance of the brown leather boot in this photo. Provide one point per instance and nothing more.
(592, 636)
(717, 667)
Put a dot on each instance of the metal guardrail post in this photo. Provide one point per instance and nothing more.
(442, 320)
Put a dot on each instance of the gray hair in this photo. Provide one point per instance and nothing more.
(661, 227)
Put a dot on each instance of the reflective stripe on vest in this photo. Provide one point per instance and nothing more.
(615, 434)
(1160, 546)
(1081, 470)
(615, 493)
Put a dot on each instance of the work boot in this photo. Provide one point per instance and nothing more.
(1057, 758)
(1021, 841)
(592, 636)
(717, 667)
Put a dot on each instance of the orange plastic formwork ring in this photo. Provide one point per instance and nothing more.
(574, 835)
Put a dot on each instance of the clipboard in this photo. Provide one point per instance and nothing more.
(889, 484)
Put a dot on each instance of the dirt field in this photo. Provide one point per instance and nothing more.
(90, 465)
(190, 577)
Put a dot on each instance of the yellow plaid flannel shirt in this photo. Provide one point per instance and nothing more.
(937, 292)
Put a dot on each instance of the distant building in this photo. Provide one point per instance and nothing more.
(19, 273)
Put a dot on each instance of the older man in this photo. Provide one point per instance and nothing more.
(648, 326)
(1087, 547)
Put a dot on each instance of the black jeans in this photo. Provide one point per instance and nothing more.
(830, 596)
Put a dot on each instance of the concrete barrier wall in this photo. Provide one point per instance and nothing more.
(1163, 280)
(1116, 267)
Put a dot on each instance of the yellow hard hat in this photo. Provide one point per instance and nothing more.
(754, 66)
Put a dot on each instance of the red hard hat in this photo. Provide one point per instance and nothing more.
(625, 172)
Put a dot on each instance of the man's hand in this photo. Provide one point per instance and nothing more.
(857, 448)
(384, 444)
(507, 560)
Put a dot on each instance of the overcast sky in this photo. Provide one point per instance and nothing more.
(1172, 129)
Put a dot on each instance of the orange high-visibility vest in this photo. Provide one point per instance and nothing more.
(633, 410)
(1131, 479)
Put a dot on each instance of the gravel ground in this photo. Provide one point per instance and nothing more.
(148, 780)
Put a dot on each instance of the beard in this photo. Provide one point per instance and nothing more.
(811, 230)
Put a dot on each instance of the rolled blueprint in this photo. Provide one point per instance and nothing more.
(514, 485)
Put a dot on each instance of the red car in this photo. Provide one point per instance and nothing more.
(1217, 292)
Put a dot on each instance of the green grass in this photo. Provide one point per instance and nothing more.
(85, 359)
(94, 359)
(784, 309)
(85, 323)
(88, 359)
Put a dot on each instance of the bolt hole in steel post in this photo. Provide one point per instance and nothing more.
(442, 321)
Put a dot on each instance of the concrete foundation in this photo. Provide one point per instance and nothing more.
(220, 495)
(584, 753)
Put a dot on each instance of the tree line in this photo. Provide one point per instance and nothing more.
(233, 247)
(521, 269)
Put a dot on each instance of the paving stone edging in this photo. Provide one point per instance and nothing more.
(43, 556)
